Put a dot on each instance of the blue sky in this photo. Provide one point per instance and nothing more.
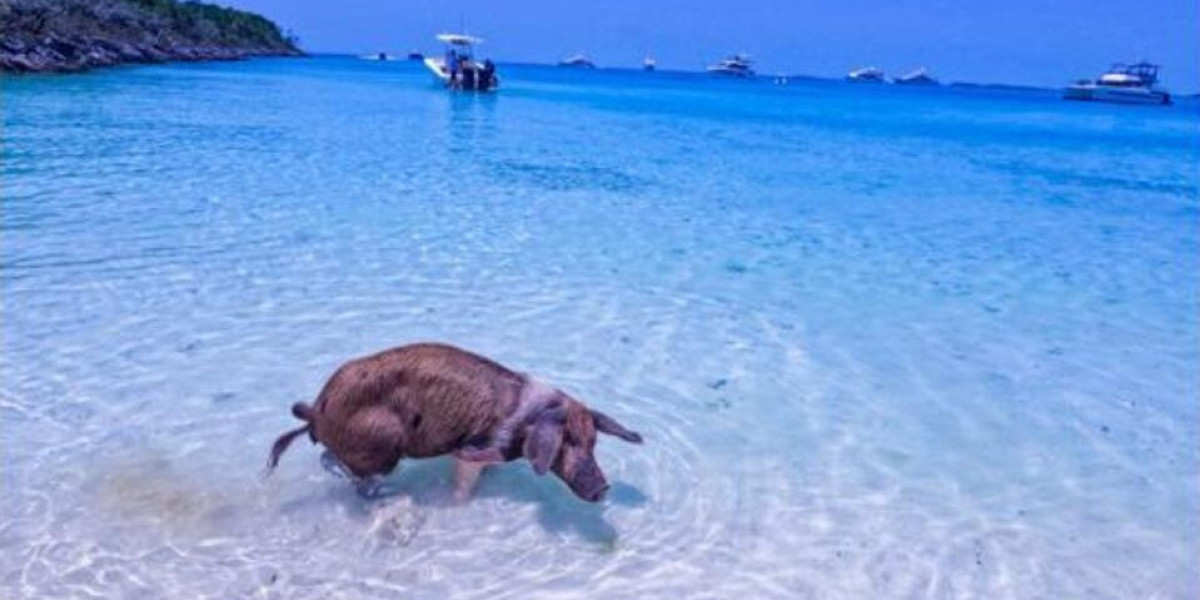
(1039, 42)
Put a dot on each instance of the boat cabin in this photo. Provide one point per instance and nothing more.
(1141, 74)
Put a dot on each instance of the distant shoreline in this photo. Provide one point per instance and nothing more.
(66, 36)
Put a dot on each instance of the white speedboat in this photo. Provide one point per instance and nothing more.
(734, 65)
(1127, 84)
(919, 77)
(457, 68)
(648, 63)
(866, 75)
(578, 61)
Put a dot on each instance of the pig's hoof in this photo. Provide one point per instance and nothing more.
(368, 487)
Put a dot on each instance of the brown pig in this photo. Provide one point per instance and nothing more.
(427, 399)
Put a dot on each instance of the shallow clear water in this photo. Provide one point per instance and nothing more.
(881, 342)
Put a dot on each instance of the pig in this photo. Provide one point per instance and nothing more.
(429, 399)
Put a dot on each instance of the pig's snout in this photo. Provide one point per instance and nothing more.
(598, 494)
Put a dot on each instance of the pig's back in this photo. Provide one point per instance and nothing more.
(443, 396)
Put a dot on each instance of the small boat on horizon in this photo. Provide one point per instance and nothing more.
(866, 75)
(919, 77)
(415, 55)
(1125, 84)
(734, 65)
(648, 63)
(458, 69)
(577, 61)
(381, 55)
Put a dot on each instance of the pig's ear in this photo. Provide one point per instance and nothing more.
(609, 425)
(543, 440)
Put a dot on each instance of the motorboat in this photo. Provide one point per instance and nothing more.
(381, 55)
(578, 61)
(458, 69)
(919, 77)
(734, 65)
(866, 75)
(1127, 84)
(415, 55)
(648, 63)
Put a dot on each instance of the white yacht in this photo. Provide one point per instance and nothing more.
(458, 69)
(648, 64)
(734, 65)
(1128, 84)
(866, 75)
(578, 61)
(919, 77)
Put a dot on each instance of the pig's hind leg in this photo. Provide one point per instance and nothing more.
(334, 466)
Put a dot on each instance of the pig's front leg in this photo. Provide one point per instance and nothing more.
(466, 475)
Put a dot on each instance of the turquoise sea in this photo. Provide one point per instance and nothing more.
(881, 342)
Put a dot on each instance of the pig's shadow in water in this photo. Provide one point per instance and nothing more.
(430, 482)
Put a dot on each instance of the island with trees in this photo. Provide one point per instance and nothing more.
(75, 35)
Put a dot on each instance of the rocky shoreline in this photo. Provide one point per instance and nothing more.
(53, 54)
(39, 36)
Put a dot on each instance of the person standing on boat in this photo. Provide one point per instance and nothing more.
(470, 74)
(452, 66)
(488, 75)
